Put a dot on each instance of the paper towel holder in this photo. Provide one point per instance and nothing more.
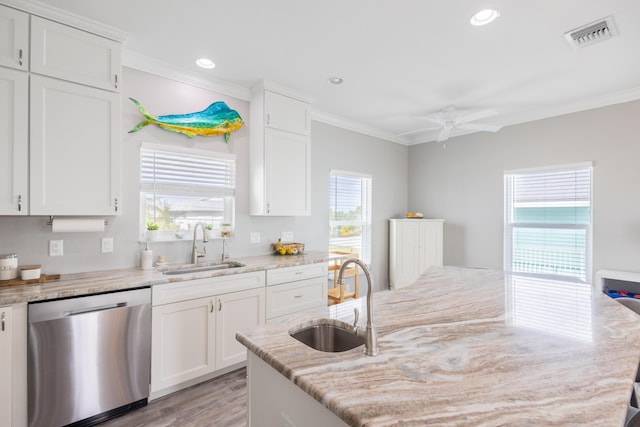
(50, 222)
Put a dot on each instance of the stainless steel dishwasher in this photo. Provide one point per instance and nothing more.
(88, 357)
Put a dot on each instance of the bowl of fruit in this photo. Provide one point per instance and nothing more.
(280, 248)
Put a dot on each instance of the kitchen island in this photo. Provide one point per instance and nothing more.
(460, 347)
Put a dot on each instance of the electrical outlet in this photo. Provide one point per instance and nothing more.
(55, 248)
(254, 237)
(286, 236)
(107, 245)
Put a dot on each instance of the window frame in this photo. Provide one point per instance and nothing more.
(510, 225)
(366, 195)
(225, 191)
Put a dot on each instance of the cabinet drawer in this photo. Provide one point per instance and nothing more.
(296, 296)
(191, 289)
(300, 272)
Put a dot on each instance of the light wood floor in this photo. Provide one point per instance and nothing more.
(220, 402)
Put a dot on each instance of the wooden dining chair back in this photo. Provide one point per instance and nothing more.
(338, 293)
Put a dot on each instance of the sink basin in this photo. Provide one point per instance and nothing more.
(198, 268)
(329, 338)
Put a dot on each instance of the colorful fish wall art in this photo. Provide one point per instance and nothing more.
(216, 119)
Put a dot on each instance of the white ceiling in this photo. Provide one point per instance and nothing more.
(399, 58)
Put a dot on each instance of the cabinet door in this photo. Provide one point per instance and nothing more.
(75, 151)
(74, 55)
(14, 148)
(287, 173)
(407, 253)
(286, 113)
(430, 246)
(182, 342)
(14, 38)
(236, 311)
(6, 349)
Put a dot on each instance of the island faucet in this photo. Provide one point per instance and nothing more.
(369, 332)
(194, 251)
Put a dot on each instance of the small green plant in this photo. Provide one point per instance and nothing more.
(209, 227)
(152, 226)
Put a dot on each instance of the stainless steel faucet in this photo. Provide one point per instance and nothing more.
(369, 332)
(194, 251)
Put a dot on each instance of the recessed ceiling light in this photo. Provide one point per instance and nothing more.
(336, 80)
(205, 63)
(484, 17)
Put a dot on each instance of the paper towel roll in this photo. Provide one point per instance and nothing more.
(69, 225)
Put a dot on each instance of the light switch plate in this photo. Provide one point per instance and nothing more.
(55, 248)
(287, 236)
(254, 237)
(107, 245)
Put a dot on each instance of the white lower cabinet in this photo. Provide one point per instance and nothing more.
(6, 353)
(13, 365)
(236, 311)
(292, 290)
(194, 325)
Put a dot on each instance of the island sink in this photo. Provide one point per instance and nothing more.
(328, 338)
(198, 268)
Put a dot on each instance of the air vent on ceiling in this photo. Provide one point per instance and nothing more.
(589, 34)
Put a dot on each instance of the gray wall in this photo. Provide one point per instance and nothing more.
(332, 148)
(463, 182)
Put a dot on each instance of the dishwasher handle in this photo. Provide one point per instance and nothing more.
(94, 309)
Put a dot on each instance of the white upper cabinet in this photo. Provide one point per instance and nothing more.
(280, 155)
(70, 54)
(75, 154)
(286, 113)
(14, 38)
(14, 142)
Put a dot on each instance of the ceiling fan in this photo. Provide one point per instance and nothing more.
(449, 118)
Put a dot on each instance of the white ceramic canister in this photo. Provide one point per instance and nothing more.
(8, 266)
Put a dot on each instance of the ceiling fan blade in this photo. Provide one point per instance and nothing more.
(479, 126)
(411, 132)
(444, 134)
(476, 115)
(433, 119)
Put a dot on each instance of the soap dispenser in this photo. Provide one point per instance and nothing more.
(146, 258)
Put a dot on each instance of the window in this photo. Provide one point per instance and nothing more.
(548, 222)
(181, 187)
(350, 214)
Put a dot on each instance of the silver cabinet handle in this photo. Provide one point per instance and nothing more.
(116, 81)
(20, 57)
(211, 311)
(116, 204)
(297, 296)
(219, 305)
(2, 321)
(19, 202)
(268, 118)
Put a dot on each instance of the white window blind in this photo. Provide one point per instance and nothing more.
(548, 221)
(186, 173)
(350, 214)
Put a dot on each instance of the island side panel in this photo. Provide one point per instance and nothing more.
(275, 401)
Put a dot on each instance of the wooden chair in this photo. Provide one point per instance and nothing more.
(337, 294)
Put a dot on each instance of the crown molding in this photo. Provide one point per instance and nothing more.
(330, 119)
(153, 66)
(49, 12)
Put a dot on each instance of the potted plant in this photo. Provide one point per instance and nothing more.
(209, 231)
(225, 230)
(152, 231)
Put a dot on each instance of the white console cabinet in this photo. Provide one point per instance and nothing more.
(280, 154)
(414, 245)
(13, 365)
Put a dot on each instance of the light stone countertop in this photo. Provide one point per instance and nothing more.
(471, 347)
(78, 284)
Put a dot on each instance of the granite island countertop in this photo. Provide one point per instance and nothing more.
(471, 347)
(78, 284)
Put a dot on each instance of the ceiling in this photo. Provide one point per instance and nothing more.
(400, 59)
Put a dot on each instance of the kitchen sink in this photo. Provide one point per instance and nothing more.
(199, 268)
(328, 338)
